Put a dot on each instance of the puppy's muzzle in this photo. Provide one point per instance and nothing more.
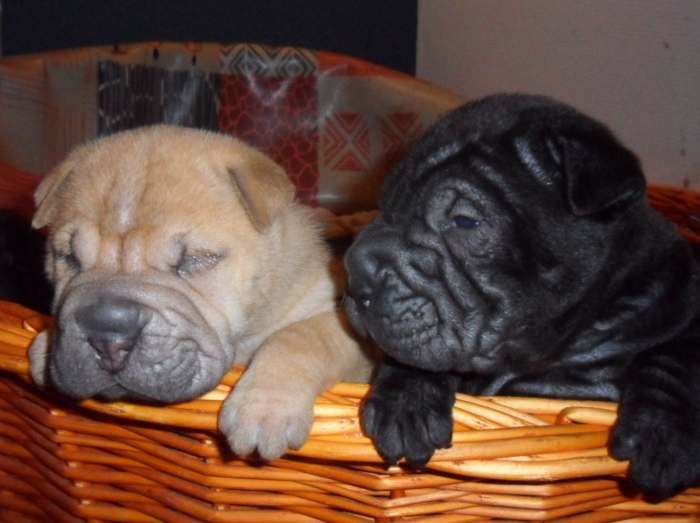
(112, 327)
(376, 291)
(362, 265)
(367, 262)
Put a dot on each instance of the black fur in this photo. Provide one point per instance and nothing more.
(515, 253)
(411, 410)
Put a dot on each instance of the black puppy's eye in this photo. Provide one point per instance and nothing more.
(465, 222)
(197, 261)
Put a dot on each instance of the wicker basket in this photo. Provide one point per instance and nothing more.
(512, 458)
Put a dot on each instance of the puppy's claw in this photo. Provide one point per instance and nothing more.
(418, 444)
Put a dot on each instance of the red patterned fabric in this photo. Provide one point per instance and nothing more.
(346, 144)
(279, 116)
(398, 131)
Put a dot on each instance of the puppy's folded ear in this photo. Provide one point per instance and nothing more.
(47, 191)
(263, 189)
(595, 171)
(598, 172)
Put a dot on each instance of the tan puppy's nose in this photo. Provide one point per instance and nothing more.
(112, 327)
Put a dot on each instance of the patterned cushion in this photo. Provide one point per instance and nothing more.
(334, 122)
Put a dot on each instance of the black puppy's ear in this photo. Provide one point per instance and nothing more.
(598, 172)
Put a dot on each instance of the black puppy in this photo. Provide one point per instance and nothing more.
(515, 253)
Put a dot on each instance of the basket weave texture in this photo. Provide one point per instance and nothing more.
(512, 458)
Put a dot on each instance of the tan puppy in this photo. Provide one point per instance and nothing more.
(176, 253)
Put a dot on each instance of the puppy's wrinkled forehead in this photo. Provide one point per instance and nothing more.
(533, 143)
(128, 180)
(469, 126)
(123, 187)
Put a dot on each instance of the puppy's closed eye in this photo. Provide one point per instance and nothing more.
(64, 251)
(70, 260)
(191, 263)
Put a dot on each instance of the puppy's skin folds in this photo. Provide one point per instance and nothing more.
(176, 253)
(515, 253)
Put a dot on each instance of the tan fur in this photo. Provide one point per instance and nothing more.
(125, 206)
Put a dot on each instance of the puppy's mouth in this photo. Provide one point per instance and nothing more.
(162, 371)
(158, 348)
(156, 368)
(407, 328)
(414, 329)
(409, 321)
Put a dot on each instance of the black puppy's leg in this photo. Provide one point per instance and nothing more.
(408, 412)
(658, 426)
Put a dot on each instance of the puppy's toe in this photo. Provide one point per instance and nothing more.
(369, 417)
(389, 440)
(440, 428)
(298, 429)
(418, 446)
(271, 442)
(624, 443)
(243, 440)
(240, 437)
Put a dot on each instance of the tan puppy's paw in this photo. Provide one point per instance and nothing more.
(266, 418)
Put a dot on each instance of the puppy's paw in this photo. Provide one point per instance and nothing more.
(409, 416)
(265, 418)
(662, 444)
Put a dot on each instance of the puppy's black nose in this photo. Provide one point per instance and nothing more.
(111, 326)
(364, 263)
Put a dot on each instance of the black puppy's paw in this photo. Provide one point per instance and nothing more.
(660, 435)
(408, 414)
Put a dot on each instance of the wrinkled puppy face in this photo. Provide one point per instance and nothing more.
(439, 280)
(151, 238)
(490, 232)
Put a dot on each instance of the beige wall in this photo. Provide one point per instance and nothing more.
(635, 64)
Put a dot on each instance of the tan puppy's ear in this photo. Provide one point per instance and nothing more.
(44, 196)
(263, 188)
